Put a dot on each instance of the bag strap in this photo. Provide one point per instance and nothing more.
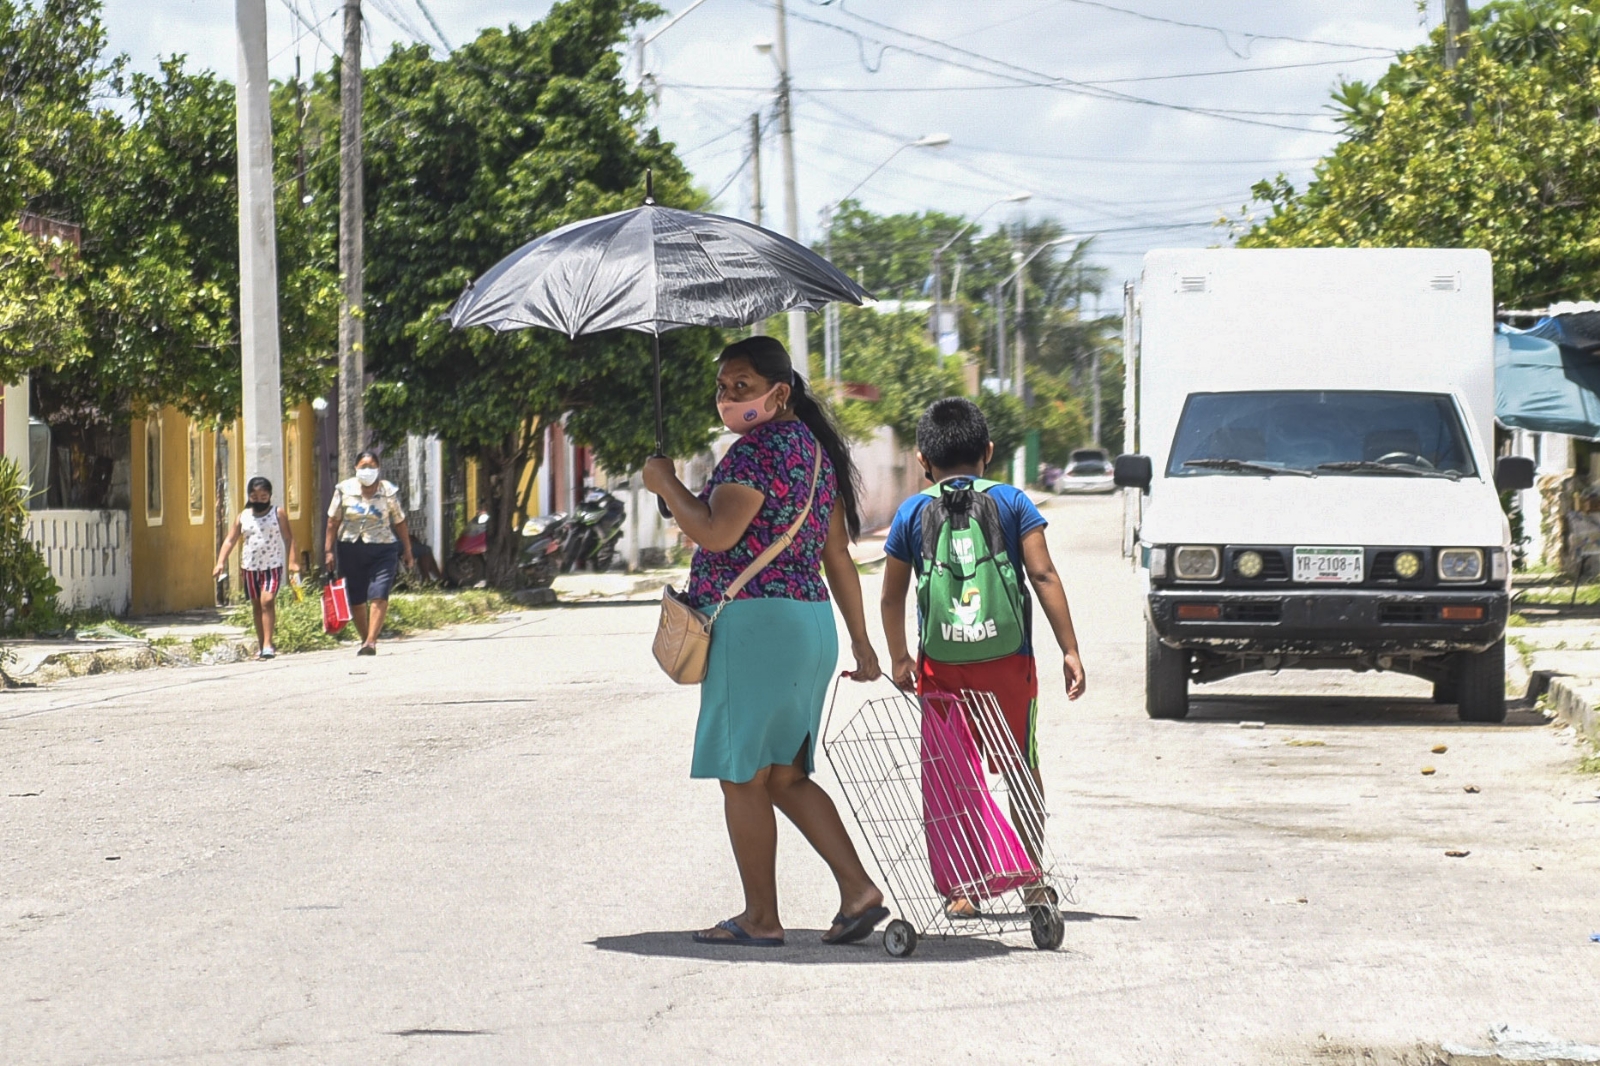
(777, 547)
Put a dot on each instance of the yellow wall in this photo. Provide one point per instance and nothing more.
(173, 553)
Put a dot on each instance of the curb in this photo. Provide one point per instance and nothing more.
(127, 658)
(1575, 701)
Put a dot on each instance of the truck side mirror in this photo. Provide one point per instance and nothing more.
(1133, 472)
(1512, 473)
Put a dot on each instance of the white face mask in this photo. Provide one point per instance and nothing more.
(367, 475)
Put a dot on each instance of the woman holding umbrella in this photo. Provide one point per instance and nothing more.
(775, 645)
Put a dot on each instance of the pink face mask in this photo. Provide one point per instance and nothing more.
(743, 417)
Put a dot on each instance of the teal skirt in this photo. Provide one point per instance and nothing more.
(767, 675)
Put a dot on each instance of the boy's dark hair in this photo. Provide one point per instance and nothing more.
(257, 483)
(952, 432)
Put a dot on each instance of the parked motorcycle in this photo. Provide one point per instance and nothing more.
(594, 530)
(539, 555)
(467, 565)
(544, 543)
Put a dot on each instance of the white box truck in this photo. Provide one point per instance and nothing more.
(1316, 472)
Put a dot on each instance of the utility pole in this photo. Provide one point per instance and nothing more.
(1457, 22)
(799, 350)
(996, 298)
(1094, 370)
(755, 168)
(261, 399)
(757, 329)
(352, 332)
(1020, 358)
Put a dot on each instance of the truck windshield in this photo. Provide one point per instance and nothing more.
(1353, 434)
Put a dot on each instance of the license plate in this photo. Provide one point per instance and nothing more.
(1328, 566)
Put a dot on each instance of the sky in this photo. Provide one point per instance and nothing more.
(1140, 122)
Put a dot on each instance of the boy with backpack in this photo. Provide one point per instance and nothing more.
(968, 542)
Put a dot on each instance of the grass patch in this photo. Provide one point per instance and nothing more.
(300, 621)
(1516, 621)
(1560, 595)
(1590, 764)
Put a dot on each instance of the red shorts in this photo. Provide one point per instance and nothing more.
(258, 581)
(1014, 682)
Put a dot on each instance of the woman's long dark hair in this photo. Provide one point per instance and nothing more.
(769, 358)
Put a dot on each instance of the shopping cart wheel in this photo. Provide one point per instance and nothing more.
(899, 939)
(1048, 928)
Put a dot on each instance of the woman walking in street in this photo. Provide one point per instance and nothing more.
(368, 528)
(268, 545)
(774, 646)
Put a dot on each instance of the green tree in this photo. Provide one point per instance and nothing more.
(146, 312)
(1498, 153)
(891, 353)
(469, 157)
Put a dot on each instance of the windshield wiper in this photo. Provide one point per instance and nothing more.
(1245, 466)
(1369, 466)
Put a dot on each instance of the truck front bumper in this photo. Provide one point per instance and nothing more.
(1329, 624)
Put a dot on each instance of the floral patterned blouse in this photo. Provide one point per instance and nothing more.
(776, 459)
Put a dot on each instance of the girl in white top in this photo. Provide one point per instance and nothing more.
(268, 545)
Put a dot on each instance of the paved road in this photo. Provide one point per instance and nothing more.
(483, 847)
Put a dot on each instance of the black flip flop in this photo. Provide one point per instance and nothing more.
(858, 928)
(738, 937)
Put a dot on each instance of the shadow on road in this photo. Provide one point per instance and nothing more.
(804, 948)
(1342, 711)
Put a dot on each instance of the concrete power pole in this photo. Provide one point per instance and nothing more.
(261, 400)
(758, 328)
(799, 350)
(1020, 358)
(1457, 22)
(352, 331)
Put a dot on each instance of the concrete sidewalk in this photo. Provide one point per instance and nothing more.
(1557, 652)
(200, 637)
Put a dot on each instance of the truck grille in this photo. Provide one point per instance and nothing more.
(1265, 611)
(1406, 612)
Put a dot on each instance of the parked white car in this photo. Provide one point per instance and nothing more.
(1086, 473)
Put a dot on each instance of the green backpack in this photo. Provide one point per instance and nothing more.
(968, 593)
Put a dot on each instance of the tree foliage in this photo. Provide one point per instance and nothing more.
(1498, 153)
(469, 157)
(146, 312)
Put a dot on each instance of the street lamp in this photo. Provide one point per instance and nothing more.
(938, 256)
(831, 361)
(1022, 262)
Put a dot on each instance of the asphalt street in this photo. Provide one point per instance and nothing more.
(483, 846)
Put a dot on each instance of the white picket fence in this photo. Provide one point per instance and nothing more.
(91, 555)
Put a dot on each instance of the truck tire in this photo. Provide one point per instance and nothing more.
(1166, 678)
(1444, 691)
(1481, 684)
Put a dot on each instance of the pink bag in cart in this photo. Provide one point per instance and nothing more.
(973, 850)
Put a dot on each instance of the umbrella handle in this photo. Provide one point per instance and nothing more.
(661, 505)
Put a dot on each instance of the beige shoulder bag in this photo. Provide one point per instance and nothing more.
(683, 637)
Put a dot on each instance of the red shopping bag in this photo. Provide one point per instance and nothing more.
(335, 606)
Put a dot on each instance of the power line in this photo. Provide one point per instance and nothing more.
(427, 14)
(1213, 29)
(1029, 76)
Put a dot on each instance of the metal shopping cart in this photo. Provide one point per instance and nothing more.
(931, 783)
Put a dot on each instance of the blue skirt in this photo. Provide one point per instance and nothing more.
(767, 675)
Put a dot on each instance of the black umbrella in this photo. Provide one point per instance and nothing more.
(651, 269)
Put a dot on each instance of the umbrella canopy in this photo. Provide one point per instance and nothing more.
(651, 269)
(1545, 387)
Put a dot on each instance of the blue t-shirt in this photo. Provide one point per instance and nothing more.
(1018, 518)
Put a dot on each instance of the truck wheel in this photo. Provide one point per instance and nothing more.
(1166, 678)
(1444, 691)
(1481, 684)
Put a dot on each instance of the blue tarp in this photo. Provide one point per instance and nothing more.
(1542, 386)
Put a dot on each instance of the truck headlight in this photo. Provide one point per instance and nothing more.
(1461, 564)
(1195, 563)
(1249, 564)
(1407, 565)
